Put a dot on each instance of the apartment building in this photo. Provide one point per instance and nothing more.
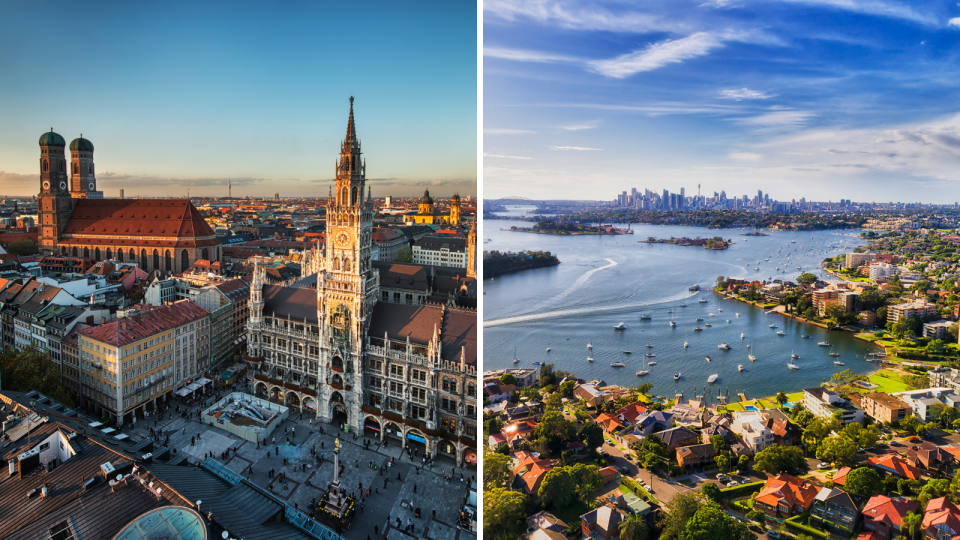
(854, 260)
(936, 329)
(911, 310)
(925, 401)
(884, 407)
(388, 242)
(441, 251)
(825, 403)
(881, 271)
(751, 427)
(129, 365)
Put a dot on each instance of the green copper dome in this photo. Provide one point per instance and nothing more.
(426, 199)
(52, 139)
(82, 145)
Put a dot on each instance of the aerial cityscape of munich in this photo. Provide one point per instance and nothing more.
(217, 322)
(721, 251)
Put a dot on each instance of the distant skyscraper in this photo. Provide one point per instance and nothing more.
(683, 197)
(121, 193)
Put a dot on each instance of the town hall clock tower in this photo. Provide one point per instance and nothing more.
(347, 287)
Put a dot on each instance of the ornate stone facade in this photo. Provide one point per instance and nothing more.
(327, 346)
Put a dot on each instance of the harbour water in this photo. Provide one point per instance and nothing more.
(606, 280)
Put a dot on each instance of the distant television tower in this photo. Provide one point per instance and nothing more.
(698, 191)
(229, 189)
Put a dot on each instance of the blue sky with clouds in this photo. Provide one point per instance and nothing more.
(824, 99)
(186, 95)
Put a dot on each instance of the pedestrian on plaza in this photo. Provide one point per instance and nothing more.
(192, 442)
(414, 488)
(398, 477)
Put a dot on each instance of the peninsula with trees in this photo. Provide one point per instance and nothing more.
(498, 263)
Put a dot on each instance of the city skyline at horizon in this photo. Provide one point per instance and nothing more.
(256, 96)
(793, 96)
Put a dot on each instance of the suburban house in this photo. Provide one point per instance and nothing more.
(835, 510)
(593, 396)
(825, 403)
(545, 526)
(785, 432)
(895, 465)
(610, 474)
(679, 436)
(941, 521)
(840, 478)
(602, 523)
(529, 471)
(495, 391)
(785, 495)
(754, 434)
(884, 516)
(696, 455)
(931, 457)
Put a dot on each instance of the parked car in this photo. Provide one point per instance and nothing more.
(624, 470)
(753, 527)
(732, 483)
(774, 534)
(823, 466)
(723, 478)
(891, 451)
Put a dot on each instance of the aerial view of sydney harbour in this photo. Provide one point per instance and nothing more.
(720, 263)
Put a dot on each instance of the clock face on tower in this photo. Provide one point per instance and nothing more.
(46, 184)
(343, 239)
(63, 185)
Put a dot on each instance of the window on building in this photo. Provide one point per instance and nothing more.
(396, 371)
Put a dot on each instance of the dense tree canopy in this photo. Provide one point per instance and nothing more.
(32, 369)
(503, 514)
(776, 459)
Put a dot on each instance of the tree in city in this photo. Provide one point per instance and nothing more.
(712, 492)
(496, 469)
(781, 398)
(566, 389)
(22, 248)
(32, 369)
(723, 462)
(554, 429)
(554, 402)
(819, 429)
(677, 513)
(911, 522)
(719, 444)
(863, 437)
(508, 378)
(504, 514)
(777, 459)
(712, 523)
(591, 434)
(864, 481)
(837, 450)
(744, 463)
(491, 426)
(806, 278)
(404, 255)
(644, 389)
(557, 488)
(634, 528)
(587, 479)
(933, 489)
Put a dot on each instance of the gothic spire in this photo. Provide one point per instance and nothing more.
(351, 140)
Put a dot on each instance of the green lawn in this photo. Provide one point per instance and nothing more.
(571, 513)
(888, 381)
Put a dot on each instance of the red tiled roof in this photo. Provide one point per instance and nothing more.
(122, 332)
(788, 490)
(116, 219)
(895, 463)
(941, 513)
(841, 477)
(889, 511)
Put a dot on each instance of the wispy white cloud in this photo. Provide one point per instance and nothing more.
(505, 131)
(716, 3)
(955, 22)
(745, 156)
(581, 148)
(875, 7)
(576, 15)
(521, 55)
(744, 93)
(502, 156)
(778, 118)
(671, 51)
(577, 128)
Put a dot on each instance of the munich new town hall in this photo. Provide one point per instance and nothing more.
(331, 345)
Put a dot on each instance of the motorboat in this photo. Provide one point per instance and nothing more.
(650, 355)
(738, 314)
(515, 360)
(771, 326)
(699, 319)
(742, 335)
(804, 336)
(642, 373)
(618, 364)
(693, 288)
(685, 344)
(627, 352)
(719, 310)
(823, 344)
(649, 346)
(620, 326)
(739, 367)
(794, 355)
(723, 346)
(708, 325)
(781, 333)
(589, 359)
(645, 317)
(708, 359)
(590, 346)
(711, 315)
(548, 349)
(713, 378)
(702, 301)
(752, 357)
(837, 362)
(793, 366)
(683, 304)
(537, 364)
(676, 376)
(651, 363)
(698, 329)
(834, 353)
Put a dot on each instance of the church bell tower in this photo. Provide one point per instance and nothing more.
(54, 200)
(348, 286)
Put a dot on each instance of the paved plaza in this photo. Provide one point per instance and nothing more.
(438, 491)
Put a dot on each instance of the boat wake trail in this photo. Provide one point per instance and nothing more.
(563, 313)
(580, 281)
